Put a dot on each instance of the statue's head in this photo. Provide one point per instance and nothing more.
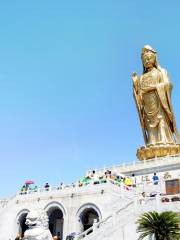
(149, 57)
(37, 218)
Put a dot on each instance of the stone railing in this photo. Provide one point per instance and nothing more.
(124, 215)
(119, 194)
(157, 203)
(121, 186)
(97, 226)
(3, 203)
(138, 165)
(120, 190)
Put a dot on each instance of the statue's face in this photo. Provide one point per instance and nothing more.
(37, 218)
(149, 60)
(31, 219)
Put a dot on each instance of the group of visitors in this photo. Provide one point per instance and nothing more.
(116, 178)
(108, 175)
(26, 188)
(148, 179)
(144, 195)
(96, 178)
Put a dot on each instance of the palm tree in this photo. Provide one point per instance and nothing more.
(159, 226)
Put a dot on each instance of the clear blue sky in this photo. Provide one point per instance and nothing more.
(66, 100)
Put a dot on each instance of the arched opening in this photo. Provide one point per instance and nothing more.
(87, 218)
(56, 221)
(22, 226)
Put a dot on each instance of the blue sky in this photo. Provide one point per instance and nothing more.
(66, 100)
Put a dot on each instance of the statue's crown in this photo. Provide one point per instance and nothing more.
(148, 48)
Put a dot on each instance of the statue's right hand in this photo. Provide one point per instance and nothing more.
(135, 81)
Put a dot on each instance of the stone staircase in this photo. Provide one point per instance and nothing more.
(5, 213)
(113, 227)
(120, 225)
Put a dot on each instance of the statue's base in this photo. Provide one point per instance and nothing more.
(154, 151)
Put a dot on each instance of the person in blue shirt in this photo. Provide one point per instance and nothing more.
(155, 179)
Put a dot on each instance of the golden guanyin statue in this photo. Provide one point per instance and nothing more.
(152, 94)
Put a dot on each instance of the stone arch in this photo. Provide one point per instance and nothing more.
(55, 204)
(86, 215)
(56, 213)
(20, 222)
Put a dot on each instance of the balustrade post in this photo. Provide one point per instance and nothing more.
(114, 219)
(122, 189)
(95, 223)
(123, 233)
(135, 203)
(158, 202)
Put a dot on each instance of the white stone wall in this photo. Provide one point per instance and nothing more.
(71, 202)
(106, 199)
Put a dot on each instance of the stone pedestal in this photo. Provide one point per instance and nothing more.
(155, 151)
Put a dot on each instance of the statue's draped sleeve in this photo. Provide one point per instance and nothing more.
(164, 92)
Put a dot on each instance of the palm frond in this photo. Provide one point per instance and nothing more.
(164, 226)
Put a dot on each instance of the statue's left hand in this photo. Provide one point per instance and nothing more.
(135, 81)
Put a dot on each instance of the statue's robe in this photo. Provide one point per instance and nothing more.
(164, 92)
(155, 104)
